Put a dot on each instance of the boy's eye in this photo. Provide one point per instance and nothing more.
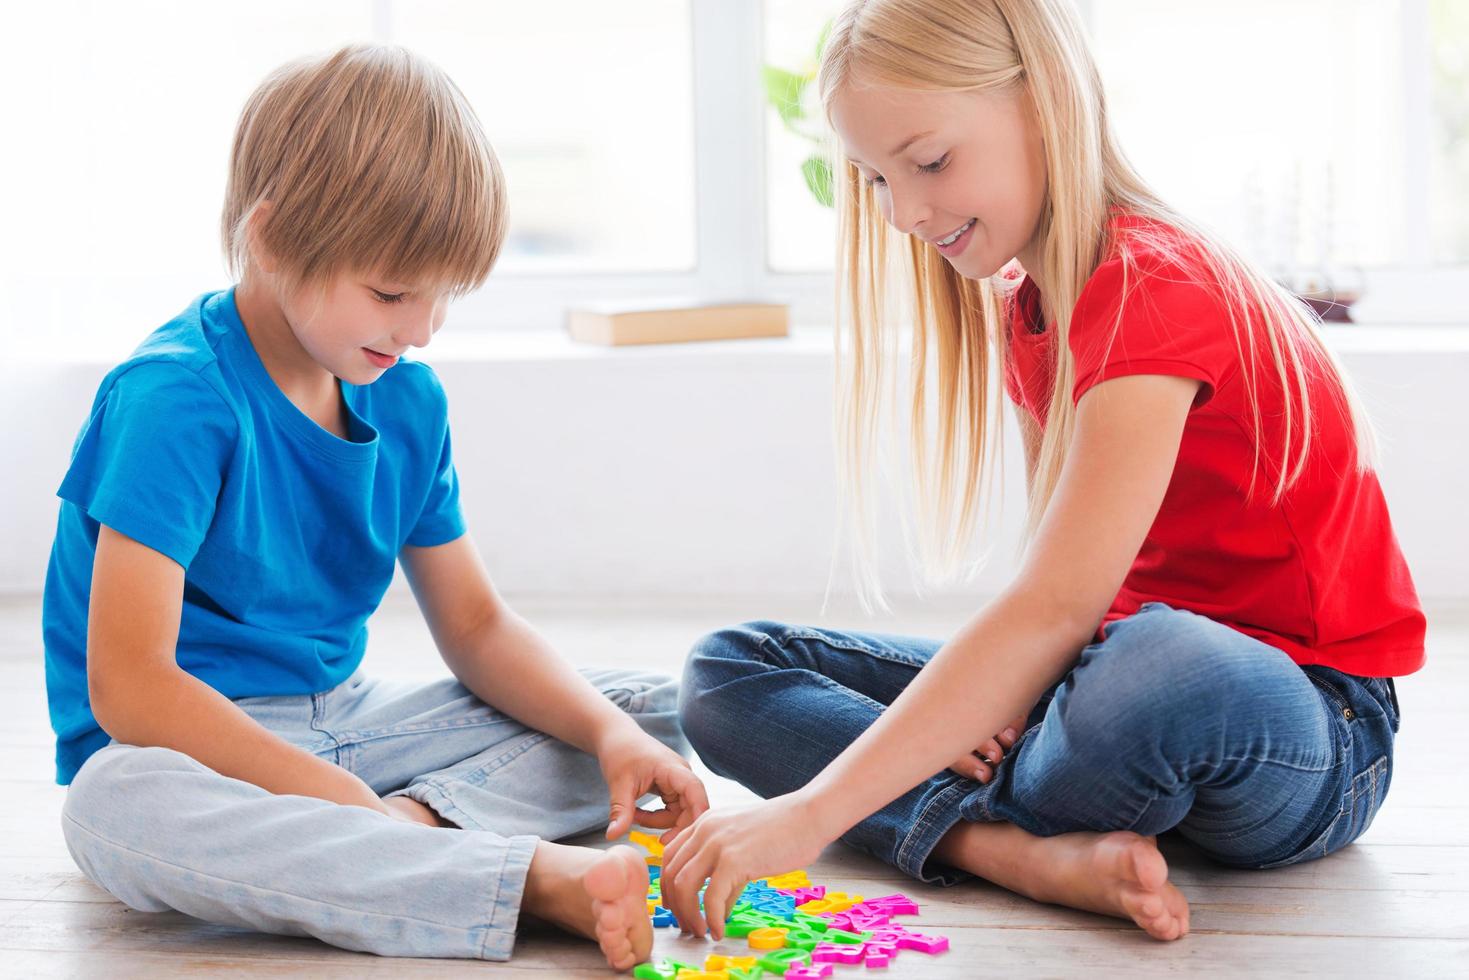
(383, 297)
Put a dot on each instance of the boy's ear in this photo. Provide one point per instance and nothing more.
(260, 256)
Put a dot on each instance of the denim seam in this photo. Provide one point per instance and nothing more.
(1278, 762)
(1304, 853)
(533, 739)
(357, 737)
(442, 802)
(850, 646)
(1266, 762)
(918, 835)
(318, 721)
(244, 884)
(453, 728)
(500, 932)
(635, 699)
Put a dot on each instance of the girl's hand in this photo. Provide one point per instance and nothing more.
(980, 764)
(635, 764)
(733, 847)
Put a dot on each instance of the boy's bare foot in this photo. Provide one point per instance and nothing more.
(598, 894)
(1119, 873)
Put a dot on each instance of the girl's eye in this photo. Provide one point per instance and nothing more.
(875, 179)
(383, 297)
(936, 166)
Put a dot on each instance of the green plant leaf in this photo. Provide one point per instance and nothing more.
(783, 91)
(817, 171)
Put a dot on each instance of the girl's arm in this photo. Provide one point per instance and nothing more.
(508, 665)
(1117, 470)
(140, 696)
(979, 765)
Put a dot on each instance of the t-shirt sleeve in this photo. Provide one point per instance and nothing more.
(1150, 317)
(152, 458)
(440, 520)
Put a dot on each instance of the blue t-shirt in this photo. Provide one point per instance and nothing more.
(287, 534)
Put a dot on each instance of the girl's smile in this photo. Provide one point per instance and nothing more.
(955, 243)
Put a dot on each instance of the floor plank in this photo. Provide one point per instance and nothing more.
(1394, 904)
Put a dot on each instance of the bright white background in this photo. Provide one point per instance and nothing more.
(1325, 137)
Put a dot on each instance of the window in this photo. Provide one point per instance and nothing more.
(644, 157)
(1274, 122)
(1449, 167)
(590, 107)
(801, 235)
(1327, 138)
(126, 113)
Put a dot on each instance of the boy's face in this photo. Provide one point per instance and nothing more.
(356, 325)
(976, 168)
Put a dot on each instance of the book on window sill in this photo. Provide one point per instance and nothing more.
(675, 321)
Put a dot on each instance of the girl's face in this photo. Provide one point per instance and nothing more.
(356, 326)
(964, 171)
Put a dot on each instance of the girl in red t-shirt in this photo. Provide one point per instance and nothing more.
(1203, 630)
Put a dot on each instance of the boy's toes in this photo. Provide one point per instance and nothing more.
(606, 879)
(618, 885)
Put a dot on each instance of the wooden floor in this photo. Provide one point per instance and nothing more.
(1394, 904)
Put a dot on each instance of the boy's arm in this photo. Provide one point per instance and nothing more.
(498, 655)
(140, 696)
(508, 665)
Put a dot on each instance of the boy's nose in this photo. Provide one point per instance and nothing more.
(416, 334)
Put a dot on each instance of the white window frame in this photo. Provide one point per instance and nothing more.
(729, 190)
(731, 257)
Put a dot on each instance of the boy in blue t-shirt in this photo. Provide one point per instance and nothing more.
(231, 517)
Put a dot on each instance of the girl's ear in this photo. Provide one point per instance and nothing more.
(259, 255)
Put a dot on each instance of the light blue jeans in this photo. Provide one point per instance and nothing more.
(160, 831)
(1172, 722)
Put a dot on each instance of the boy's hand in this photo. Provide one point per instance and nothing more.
(980, 764)
(635, 764)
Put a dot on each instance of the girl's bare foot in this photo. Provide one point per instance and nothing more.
(598, 894)
(1120, 873)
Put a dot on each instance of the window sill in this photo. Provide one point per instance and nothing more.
(463, 343)
(467, 344)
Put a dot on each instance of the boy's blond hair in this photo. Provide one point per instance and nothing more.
(371, 160)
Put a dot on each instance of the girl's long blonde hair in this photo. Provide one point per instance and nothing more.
(959, 324)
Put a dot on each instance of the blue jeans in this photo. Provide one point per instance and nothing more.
(1172, 722)
(160, 831)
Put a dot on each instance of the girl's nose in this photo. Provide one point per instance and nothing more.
(906, 213)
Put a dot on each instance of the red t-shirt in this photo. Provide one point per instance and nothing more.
(1320, 575)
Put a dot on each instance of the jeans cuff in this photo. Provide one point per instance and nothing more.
(507, 881)
(936, 820)
(506, 897)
